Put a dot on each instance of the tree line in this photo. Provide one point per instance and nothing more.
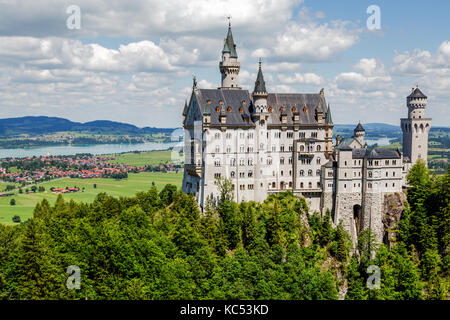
(158, 245)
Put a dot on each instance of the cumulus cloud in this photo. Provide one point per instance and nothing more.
(313, 42)
(298, 78)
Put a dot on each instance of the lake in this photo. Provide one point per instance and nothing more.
(92, 149)
(112, 148)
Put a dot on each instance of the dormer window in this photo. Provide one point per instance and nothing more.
(217, 109)
(270, 109)
(229, 109)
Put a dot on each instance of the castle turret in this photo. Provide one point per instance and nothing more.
(259, 94)
(328, 133)
(416, 127)
(359, 133)
(229, 66)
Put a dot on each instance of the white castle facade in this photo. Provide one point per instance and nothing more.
(272, 142)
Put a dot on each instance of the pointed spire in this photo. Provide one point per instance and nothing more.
(328, 119)
(260, 84)
(229, 45)
(194, 82)
(359, 127)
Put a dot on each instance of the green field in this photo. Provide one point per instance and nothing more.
(25, 203)
(142, 158)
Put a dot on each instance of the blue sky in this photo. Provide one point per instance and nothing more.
(133, 62)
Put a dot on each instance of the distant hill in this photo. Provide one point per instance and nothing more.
(377, 130)
(42, 125)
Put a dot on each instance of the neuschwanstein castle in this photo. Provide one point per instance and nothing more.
(272, 142)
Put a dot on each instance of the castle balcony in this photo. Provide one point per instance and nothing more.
(193, 170)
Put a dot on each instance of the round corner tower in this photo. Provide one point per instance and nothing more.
(229, 66)
(416, 127)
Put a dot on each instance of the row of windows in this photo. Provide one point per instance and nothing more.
(310, 173)
(369, 185)
(273, 185)
(310, 148)
(276, 135)
(373, 162)
(370, 174)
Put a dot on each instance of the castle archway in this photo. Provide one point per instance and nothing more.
(357, 217)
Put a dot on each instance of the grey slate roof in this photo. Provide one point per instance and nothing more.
(328, 118)
(417, 94)
(359, 153)
(359, 127)
(382, 153)
(345, 142)
(229, 44)
(376, 153)
(260, 84)
(230, 98)
(310, 101)
(234, 98)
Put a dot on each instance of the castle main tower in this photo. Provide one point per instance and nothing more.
(229, 66)
(416, 127)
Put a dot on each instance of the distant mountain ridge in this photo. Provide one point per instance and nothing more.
(43, 124)
(34, 125)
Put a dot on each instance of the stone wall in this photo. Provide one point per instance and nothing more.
(393, 206)
(344, 211)
(372, 214)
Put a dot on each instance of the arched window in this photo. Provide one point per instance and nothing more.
(241, 162)
(318, 161)
(228, 149)
(232, 162)
(281, 160)
(217, 149)
(232, 174)
(302, 173)
(270, 109)
(318, 148)
(318, 172)
(302, 148)
(229, 109)
(310, 172)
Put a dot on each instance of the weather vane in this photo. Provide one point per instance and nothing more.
(229, 20)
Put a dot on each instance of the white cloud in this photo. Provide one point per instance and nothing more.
(298, 78)
(313, 42)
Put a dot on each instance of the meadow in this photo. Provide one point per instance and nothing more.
(135, 182)
(143, 158)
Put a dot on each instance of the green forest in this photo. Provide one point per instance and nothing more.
(158, 245)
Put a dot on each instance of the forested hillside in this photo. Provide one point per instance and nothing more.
(157, 245)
